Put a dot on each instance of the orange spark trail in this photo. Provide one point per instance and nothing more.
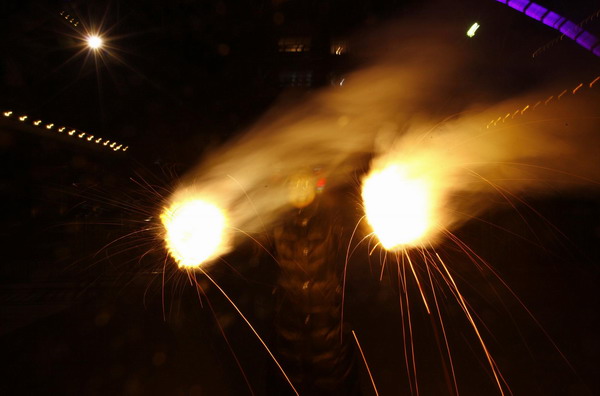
(237, 361)
(251, 328)
(493, 366)
(366, 364)
(410, 332)
(418, 283)
(443, 330)
(345, 273)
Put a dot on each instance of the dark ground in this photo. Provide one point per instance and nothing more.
(110, 337)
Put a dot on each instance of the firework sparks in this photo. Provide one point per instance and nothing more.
(397, 206)
(195, 231)
(427, 178)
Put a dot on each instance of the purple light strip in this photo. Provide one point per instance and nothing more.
(555, 21)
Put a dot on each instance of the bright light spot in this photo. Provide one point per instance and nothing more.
(94, 42)
(398, 207)
(473, 29)
(195, 232)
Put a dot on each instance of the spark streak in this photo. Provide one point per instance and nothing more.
(251, 328)
(366, 364)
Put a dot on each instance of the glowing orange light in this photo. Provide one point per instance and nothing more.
(397, 206)
(195, 232)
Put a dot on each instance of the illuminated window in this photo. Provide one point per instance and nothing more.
(302, 79)
(338, 47)
(294, 44)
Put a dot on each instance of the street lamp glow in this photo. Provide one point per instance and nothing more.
(95, 42)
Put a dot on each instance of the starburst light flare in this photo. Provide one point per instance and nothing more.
(94, 42)
(195, 231)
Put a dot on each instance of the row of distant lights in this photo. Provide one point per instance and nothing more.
(72, 132)
(520, 112)
(69, 18)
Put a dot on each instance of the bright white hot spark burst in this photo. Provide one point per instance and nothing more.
(195, 232)
(398, 206)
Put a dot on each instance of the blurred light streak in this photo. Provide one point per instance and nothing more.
(473, 29)
(574, 91)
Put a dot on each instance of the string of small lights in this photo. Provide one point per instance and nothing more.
(75, 133)
(92, 39)
(562, 36)
(71, 19)
(521, 111)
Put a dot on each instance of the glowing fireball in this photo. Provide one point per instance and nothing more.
(397, 206)
(195, 232)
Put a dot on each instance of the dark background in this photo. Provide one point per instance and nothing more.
(88, 304)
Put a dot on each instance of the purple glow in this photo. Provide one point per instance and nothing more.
(570, 30)
(536, 11)
(552, 19)
(587, 40)
(518, 5)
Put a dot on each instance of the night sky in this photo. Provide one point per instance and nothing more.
(89, 303)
